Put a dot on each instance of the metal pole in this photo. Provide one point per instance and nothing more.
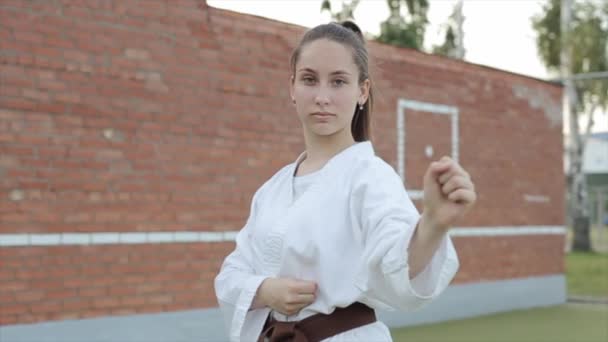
(601, 193)
(585, 76)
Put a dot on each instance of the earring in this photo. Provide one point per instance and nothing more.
(360, 107)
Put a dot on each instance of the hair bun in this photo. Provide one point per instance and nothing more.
(353, 27)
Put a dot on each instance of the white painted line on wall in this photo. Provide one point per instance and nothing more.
(14, 240)
(212, 237)
(537, 198)
(427, 107)
(185, 236)
(128, 238)
(160, 237)
(75, 239)
(105, 238)
(44, 239)
(508, 231)
(415, 194)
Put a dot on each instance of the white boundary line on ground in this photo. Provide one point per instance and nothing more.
(128, 238)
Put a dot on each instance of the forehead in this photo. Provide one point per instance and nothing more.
(326, 56)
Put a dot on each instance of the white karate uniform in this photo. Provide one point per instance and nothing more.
(348, 230)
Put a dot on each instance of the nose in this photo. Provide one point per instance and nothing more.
(322, 97)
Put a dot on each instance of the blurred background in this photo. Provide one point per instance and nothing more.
(133, 134)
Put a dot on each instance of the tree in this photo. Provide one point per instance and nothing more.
(346, 13)
(448, 47)
(575, 41)
(397, 29)
(408, 30)
(453, 41)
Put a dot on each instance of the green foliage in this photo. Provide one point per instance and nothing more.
(408, 30)
(399, 30)
(346, 13)
(448, 45)
(547, 27)
(401, 34)
(588, 43)
(326, 6)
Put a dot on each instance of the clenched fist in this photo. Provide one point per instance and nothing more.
(449, 192)
(285, 295)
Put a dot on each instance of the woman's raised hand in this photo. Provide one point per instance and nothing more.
(449, 193)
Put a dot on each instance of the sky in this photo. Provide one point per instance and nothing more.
(497, 33)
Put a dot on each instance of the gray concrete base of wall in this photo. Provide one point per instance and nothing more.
(458, 301)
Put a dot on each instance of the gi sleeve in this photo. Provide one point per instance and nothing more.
(237, 283)
(387, 218)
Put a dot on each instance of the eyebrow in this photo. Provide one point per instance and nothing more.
(337, 72)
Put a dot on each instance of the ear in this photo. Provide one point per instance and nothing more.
(291, 87)
(364, 91)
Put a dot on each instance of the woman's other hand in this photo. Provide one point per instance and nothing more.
(285, 295)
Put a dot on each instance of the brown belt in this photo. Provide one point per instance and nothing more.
(318, 327)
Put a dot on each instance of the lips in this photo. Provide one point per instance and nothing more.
(323, 115)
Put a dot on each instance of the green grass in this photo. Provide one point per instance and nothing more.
(587, 274)
(567, 323)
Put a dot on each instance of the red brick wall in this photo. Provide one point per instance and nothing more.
(72, 282)
(504, 257)
(133, 116)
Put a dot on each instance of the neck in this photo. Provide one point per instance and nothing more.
(319, 149)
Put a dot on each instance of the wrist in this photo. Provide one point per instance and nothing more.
(260, 299)
(429, 222)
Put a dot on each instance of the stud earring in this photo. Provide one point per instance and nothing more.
(360, 107)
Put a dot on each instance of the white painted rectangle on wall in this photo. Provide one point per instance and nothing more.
(403, 105)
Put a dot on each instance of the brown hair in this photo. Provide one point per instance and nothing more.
(348, 34)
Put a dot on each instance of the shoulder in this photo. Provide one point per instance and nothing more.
(273, 182)
(378, 190)
(375, 179)
(374, 169)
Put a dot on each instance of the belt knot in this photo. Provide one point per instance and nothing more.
(278, 331)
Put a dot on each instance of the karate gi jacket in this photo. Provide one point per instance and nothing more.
(349, 232)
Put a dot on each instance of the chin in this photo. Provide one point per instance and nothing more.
(325, 131)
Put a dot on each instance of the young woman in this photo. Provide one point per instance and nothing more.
(334, 235)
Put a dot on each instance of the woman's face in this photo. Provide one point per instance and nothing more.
(326, 89)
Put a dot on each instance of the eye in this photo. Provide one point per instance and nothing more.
(309, 80)
(339, 82)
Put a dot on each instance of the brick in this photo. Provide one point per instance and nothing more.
(36, 95)
(106, 303)
(29, 296)
(60, 294)
(137, 54)
(60, 316)
(133, 302)
(76, 304)
(28, 37)
(152, 9)
(160, 299)
(122, 291)
(46, 307)
(8, 319)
